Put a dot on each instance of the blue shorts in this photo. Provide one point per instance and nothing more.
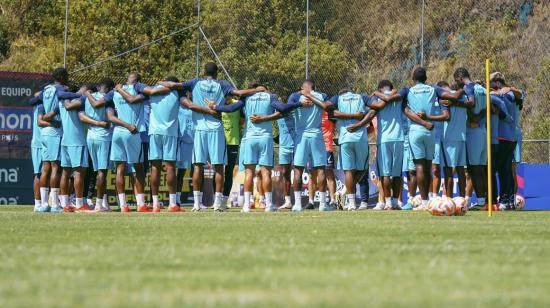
(437, 153)
(408, 164)
(517, 150)
(285, 155)
(453, 154)
(36, 154)
(163, 148)
(422, 144)
(476, 147)
(258, 151)
(209, 146)
(99, 152)
(310, 148)
(126, 147)
(185, 155)
(389, 158)
(51, 148)
(354, 156)
(74, 156)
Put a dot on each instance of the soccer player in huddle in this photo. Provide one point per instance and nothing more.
(185, 146)
(36, 150)
(51, 133)
(209, 142)
(257, 146)
(99, 138)
(286, 153)
(389, 159)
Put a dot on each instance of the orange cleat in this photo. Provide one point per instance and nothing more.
(156, 209)
(175, 208)
(84, 208)
(144, 209)
(124, 209)
(494, 207)
(68, 209)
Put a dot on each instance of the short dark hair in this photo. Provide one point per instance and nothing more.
(419, 74)
(172, 79)
(443, 84)
(461, 72)
(211, 69)
(454, 87)
(255, 85)
(107, 82)
(138, 76)
(310, 82)
(60, 74)
(343, 90)
(385, 83)
(493, 84)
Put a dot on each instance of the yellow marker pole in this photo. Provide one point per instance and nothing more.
(489, 166)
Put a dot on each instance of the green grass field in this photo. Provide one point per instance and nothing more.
(276, 259)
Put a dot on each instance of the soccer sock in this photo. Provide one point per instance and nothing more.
(105, 202)
(322, 198)
(178, 197)
(351, 199)
(172, 198)
(54, 195)
(90, 201)
(247, 195)
(44, 195)
(155, 200)
(269, 198)
(332, 199)
(201, 194)
(197, 198)
(388, 201)
(64, 201)
(140, 199)
(122, 200)
(79, 202)
(430, 195)
(298, 199)
(311, 201)
(424, 203)
(37, 203)
(481, 201)
(262, 198)
(287, 199)
(99, 203)
(218, 198)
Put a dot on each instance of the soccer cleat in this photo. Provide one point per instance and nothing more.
(363, 206)
(504, 207)
(124, 209)
(203, 207)
(324, 208)
(101, 209)
(310, 206)
(270, 208)
(262, 204)
(245, 209)
(83, 208)
(174, 209)
(286, 206)
(156, 209)
(144, 209)
(379, 206)
(476, 207)
(42, 209)
(334, 206)
(486, 207)
(297, 208)
(68, 209)
(220, 207)
(56, 209)
(351, 207)
(407, 207)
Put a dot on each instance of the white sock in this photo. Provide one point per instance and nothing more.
(201, 194)
(388, 201)
(90, 201)
(323, 198)
(140, 199)
(44, 195)
(37, 203)
(155, 200)
(351, 199)
(443, 196)
(64, 200)
(79, 202)
(481, 201)
(247, 195)
(218, 198)
(105, 203)
(197, 198)
(54, 195)
(122, 200)
(178, 197)
(332, 199)
(287, 199)
(269, 198)
(410, 198)
(98, 203)
(172, 198)
(430, 195)
(424, 203)
(298, 199)
(311, 200)
(262, 198)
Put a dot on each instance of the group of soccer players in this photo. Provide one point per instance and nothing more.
(183, 125)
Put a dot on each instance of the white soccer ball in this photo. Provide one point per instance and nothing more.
(442, 207)
(416, 201)
(520, 202)
(460, 206)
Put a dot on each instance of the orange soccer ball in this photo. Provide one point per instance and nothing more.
(442, 207)
(520, 202)
(416, 201)
(460, 206)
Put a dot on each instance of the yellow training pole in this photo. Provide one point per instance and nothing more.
(489, 166)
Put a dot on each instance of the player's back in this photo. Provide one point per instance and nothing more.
(455, 128)
(163, 119)
(129, 113)
(98, 114)
(36, 140)
(185, 124)
(350, 103)
(391, 122)
(421, 98)
(259, 104)
(73, 128)
(286, 139)
(210, 89)
(308, 119)
(50, 101)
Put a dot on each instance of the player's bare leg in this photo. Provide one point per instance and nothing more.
(218, 195)
(79, 174)
(267, 187)
(322, 186)
(198, 172)
(436, 182)
(286, 173)
(297, 186)
(248, 186)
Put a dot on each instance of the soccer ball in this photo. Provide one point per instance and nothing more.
(442, 207)
(416, 201)
(520, 202)
(460, 206)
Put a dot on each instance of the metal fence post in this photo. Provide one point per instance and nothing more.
(65, 34)
(197, 63)
(422, 34)
(307, 39)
